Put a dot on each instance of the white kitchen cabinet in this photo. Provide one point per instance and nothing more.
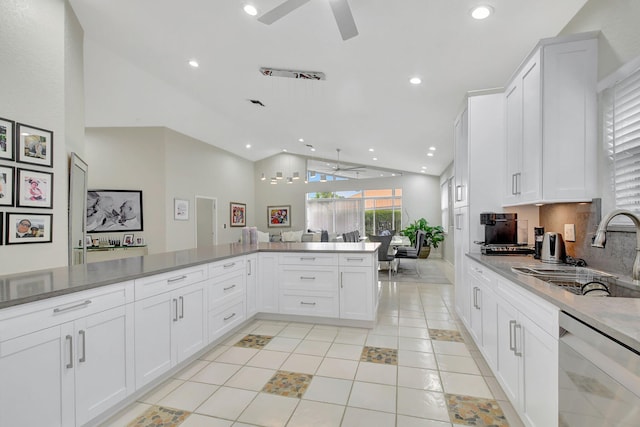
(461, 247)
(358, 289)
(76, 367)
(252, 283)
(551, 123)
(268, 282)
(461, 164)
(483, 315)
(227, 295)
(169, 328)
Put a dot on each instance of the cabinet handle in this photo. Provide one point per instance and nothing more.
(69, 338)
(227, 318)
(230, 287)
(82, 304)
(176, 279)
(181, 307)
(307, 278)
(355, 259)
(84, 347)
(307, 303)
(249, 264)
(458, 222)
(475, 297)
(341, 275)
(231, 264)
(512, 346)
(515, 340)
(307, 258)
(458, 193)
(175, 307)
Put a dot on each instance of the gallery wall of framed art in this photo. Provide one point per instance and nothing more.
(26, 183)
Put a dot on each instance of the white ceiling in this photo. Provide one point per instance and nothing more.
(366, 100)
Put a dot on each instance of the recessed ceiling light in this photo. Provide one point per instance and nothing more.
(424, 167)
(248, 145)
(194, 63)
(250, 10)
(481, 12)
(371, 149)
(301, 139)
(430, 154)
(375, 158)
(284, 150)
(415, 80)
(313, 149)
(432, 148)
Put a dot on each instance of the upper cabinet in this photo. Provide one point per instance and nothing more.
(551, 123)
(461, 164)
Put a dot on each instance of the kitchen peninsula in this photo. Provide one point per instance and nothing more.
(85, 340)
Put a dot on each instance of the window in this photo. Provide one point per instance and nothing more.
(622, 138)
(368, 211)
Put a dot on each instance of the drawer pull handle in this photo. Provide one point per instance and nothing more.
(307, 258)
(307, 303)
(84, 347)
(307, 278)
(355, 259)
(231, 264)
(227, 318)
(176, 279)
(70, 339)
(250, 272)
(230, 287)
(82, 304)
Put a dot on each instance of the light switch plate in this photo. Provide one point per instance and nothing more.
(570, 232)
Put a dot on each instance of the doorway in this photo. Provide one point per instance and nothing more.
(206, 221)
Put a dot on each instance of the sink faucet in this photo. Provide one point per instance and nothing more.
(601, 236)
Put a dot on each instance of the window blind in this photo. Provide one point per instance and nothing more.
(622, 136)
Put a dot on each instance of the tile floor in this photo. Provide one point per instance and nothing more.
(417, 367)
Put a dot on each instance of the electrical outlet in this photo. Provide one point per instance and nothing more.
(570, 232)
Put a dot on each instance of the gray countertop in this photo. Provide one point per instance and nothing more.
(32, 286)
(617, 317)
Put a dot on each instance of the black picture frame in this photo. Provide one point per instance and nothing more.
(34, 145)
(34, 189)
(114, 211)
(7, 184)
(7, 139)
(17, 233)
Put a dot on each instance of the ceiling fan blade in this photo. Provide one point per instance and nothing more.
(279, 11)
(344, 18)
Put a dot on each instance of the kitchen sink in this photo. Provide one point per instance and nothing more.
(572, 279)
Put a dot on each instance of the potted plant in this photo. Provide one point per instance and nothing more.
(434, 235)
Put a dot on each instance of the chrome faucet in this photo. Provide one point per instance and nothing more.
(601, 236)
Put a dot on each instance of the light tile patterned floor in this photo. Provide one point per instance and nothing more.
(417, 367)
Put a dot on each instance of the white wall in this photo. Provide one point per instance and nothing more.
(165, 165)
(33, 60)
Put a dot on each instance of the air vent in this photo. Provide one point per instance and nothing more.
(256, 102)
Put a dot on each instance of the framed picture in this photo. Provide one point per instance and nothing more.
(139, 241)
(35, 189)
(114, 210)
(34, 145)
(7, 130)
(127, 240)
(87, 241)
(279, 216)
(24, 228)
(180, 209)
(238, 212)
(6, 185)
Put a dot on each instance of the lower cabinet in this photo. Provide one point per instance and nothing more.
(267, 287)
(252, 285)
(74, 370)
(357, 295)
(169, 328)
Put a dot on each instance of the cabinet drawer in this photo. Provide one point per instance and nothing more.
(230, 265)
(324, 304)
(159, 283)
(310, 259)
(313, 279)
(356, 260)
(229, 286)
(55, 311)
(482, 274)
(225, 318)
(539, 311)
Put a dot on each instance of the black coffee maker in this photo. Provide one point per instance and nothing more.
(538, 233)
(499, 228)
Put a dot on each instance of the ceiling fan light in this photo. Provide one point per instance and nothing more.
(481, 12)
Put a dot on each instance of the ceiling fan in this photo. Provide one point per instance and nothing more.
(340, 8)
(337, 167)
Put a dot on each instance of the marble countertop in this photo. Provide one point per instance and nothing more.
(617, 317)
(32, 286)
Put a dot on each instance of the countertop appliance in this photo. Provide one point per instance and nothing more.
(598, 377)
(501, 234)
(552, 248)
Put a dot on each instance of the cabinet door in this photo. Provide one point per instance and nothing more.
(508, 363)
(37, 379)
(268, 283)
(461, 246)
(153, 350)
(103, 365)
(461, 163)
(531, 179)
(252, 281)
(356, 293)
(490, 328)
(513, 142)
(477, 306)
(189, 332)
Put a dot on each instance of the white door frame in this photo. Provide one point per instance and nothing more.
(215, 219)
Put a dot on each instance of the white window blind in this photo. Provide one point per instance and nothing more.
(622, 136)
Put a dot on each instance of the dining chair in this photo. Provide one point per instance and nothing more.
(412, 252)
(383, 252)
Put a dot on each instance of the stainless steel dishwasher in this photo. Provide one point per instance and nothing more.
(599, 378)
